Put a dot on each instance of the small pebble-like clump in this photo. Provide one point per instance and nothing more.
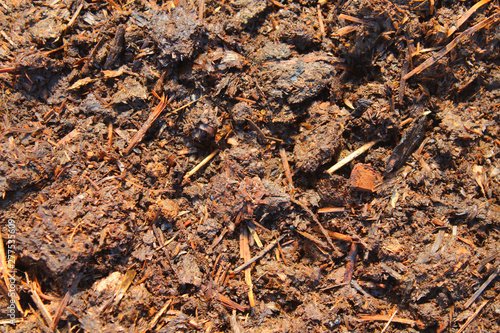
(179, 35)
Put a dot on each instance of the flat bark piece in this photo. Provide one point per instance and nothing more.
(117, 47)
(363, 178)
(410, 141)
(188, 271)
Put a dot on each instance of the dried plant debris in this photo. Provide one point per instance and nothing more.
(411, 139)
(250, 166)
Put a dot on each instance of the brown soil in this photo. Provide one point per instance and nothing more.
(107, 107)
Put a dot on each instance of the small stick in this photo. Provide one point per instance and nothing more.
(326, 210)
(286, 166)
(147, 124)
(386, 318)
(280, 249)
(218, 239)
(227, 302)
(157, 316)
(246, 256)
(483, 286)
(7, 38)
(466, 16)
(356, 286)
(351, 157)
(351, 263)
(110, 134)
(154, 115)
(45, 313)
(389, 322)
(242, 99)
(201, 164)
(312, 239)
(320, 22)
(323, 230)
(259, 255)
(277, 4)
(8, 321)
(59, 311)
(260, 133)
(73, 19)
(353, 19)
(451, 45)
(201, 10)
(471, 318)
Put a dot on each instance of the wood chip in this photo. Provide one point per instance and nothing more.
(363, 178)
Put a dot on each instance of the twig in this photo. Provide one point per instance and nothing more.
(201, 164)
(277, 4)
(438, 55)
(323, 230)
(389, 322)
(280, 249)
(361, 290)
(60, 311)
(286, 166)
(242, 99)
(313, 239)
(7, 38)
(259, 255)
(246, 256)
(110, 134)
(326, 210)
(147, 124)
(227, 302)
(471, 318)
(320, 22)
(387, 317)
(351, 263)
(45, 313)
(260, 133)
(73, 19)
(353, 19)
(351, 157)
(157, 316)
(201, 10)
(218, 239)
(466, 16)
(483, 286)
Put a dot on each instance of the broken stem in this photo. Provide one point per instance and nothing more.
(351, 157)
(259, 255)
(201, 164)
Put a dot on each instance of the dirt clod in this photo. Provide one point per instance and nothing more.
(249, 166)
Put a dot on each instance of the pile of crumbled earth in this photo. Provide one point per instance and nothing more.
(263, 97)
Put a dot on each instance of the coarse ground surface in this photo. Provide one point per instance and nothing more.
(149, 149)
